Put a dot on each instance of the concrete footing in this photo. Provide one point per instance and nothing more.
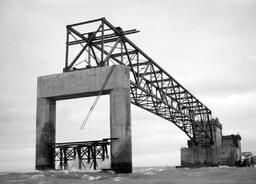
(79, 84)
(225, 151)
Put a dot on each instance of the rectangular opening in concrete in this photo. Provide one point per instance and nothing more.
(70, 115)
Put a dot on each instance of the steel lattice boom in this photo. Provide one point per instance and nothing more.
(98, 43)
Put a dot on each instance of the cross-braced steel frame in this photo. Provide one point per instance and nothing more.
(97, 43)
(85, 153)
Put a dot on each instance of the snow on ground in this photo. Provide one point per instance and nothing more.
(159, 175)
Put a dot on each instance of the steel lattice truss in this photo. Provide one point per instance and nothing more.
(98, 43)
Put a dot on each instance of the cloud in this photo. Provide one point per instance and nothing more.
(223, 79)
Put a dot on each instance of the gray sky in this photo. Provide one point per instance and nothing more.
(208, 46)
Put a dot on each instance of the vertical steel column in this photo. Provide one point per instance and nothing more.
(94, 157)
(67, 49)
(79, 157)
(89, 154)
(102, 41)
(65, 158)
(61, 158)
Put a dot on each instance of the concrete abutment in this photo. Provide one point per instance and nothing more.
(225, 151)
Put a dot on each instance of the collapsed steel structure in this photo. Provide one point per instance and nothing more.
(98, 43)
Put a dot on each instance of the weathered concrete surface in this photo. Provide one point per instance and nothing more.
(45, 132)
(83, 84)
(120, 119)
(225, 151)
(230, 150)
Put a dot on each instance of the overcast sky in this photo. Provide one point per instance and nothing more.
(208, 46)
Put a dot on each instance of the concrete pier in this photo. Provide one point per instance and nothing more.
(120, 119)
(79, 84)
(45, 132)
(225, 151)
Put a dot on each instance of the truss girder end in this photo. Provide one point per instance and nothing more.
(152, 88)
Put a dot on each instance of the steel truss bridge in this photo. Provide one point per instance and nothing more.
(98, 43)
